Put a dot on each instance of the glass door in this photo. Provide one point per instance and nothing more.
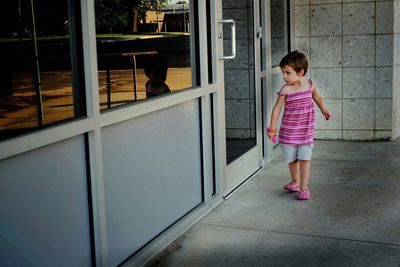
(242, 102)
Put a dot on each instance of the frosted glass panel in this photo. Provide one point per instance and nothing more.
(152, 168)
(44, 218)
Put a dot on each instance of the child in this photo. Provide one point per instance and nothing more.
(296, 133)
(156, 68)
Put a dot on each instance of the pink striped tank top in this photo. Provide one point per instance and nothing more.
(298, 122)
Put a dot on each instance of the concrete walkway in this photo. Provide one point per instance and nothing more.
(352, 219)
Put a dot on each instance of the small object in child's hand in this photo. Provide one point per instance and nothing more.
(273, 131)
(327, 117)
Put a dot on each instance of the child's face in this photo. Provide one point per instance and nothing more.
(290, 75)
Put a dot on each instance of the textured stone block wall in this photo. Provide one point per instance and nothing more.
(396, 71)
(278, 40)
(239, 73)
(350, 45)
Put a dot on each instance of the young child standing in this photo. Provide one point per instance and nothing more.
(296, 133)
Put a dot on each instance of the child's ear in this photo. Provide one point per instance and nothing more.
(301, 73)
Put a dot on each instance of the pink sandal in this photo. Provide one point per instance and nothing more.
(293, 187)
(304, 194)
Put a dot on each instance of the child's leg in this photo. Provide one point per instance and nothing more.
(294, 168)
(304, 173)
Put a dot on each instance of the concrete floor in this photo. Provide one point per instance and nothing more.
(352, 219)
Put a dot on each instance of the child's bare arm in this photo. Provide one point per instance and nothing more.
(275, 115)
(320, 103)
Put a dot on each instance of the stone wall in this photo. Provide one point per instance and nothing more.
(239, 73)
(350, 48)
(396, 71)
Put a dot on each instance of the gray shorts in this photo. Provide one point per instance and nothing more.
(293, 152)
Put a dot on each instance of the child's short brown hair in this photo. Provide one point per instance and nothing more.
(295, 59)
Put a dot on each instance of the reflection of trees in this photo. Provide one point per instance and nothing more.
(111, 15)
(150, 5)
(16, 18)
(123, 15)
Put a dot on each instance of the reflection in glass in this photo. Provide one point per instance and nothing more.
(130, 35)
(37, 51)
(278, 41)
(156, 68)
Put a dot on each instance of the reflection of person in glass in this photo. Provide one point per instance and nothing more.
(156, 68)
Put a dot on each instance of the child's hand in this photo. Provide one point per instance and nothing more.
(326, 114)
(271, 133)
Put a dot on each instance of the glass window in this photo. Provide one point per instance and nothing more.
(40, 50)
(279, 38)
(144, 49)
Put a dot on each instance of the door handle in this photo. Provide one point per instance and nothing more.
(233, 38)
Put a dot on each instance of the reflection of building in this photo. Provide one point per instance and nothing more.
(154, 21)
(172, 18)
(177, 17)
(177, 22)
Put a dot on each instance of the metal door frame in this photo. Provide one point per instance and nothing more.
(254, 156)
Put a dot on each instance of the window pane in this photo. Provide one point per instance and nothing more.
(38, 51)
(144, 49)
(278, 40)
